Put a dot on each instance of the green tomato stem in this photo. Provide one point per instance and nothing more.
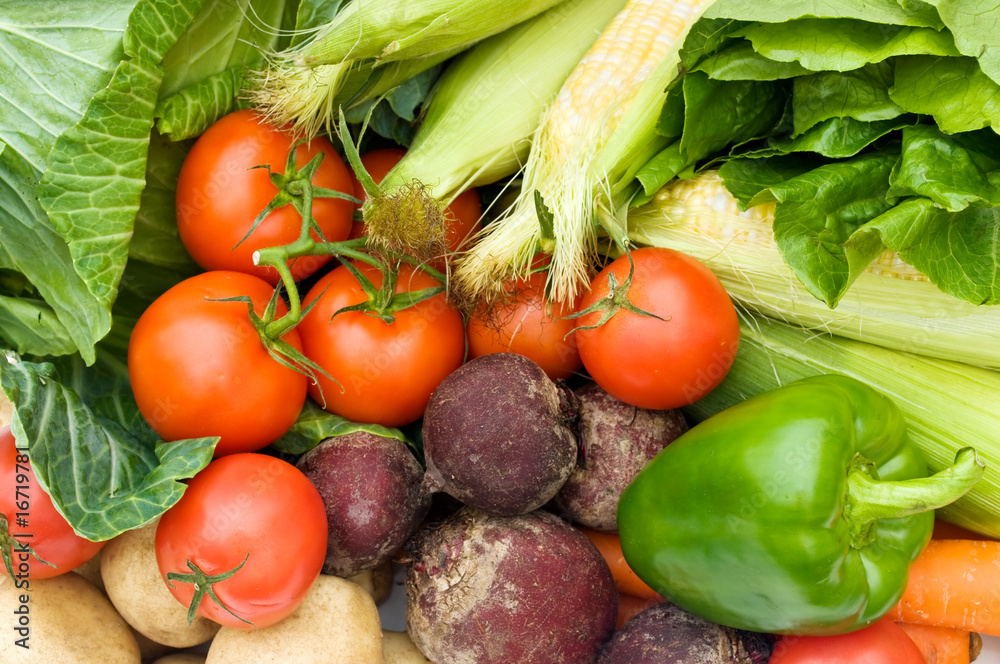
(204, 584)
(8, 545)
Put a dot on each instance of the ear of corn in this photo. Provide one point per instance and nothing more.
(479, 119)
(891, 304)
(600, 128)
(947, 405)
(306, 84)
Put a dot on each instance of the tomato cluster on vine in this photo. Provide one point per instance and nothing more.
(233, 352)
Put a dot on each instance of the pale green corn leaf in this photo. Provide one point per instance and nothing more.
(520, 71)
(398, 29)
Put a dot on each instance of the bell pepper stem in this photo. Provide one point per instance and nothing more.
(869, 499)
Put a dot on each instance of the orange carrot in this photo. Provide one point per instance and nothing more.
(940, 645)
(954, 583)
(611, 548)
(945, 530)
(629, 606)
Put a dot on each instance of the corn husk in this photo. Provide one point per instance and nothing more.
(585, 183)
(307, 84)
(890, 304)
(480, 118)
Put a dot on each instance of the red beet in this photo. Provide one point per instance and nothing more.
(616, 440)
(527, 588)
(374, 495)
(667, 634)
(498, 435)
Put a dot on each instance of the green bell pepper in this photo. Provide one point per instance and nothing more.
(797, 511)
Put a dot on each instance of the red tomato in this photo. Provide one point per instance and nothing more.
(250, 507)
(653, 363)
(33, 521)
(219, 194)
(527, 325)
(882, 642)
(386, 371)
(465, 212)
(198, 367)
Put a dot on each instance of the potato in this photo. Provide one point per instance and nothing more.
(337, 622)
(398, 648)
(377, 582)
(134, 585)
(66, 620)
(91, 571)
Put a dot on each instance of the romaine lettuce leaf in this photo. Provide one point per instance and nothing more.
(740, 62)
(862, 94)
(954, 91)
(976, 28)
(745, 178)
(716, 114)
(818, 211)
(843, 44)
(889, 12)
(837, 138)
(953, 171)
(957, 251)
(890, 140)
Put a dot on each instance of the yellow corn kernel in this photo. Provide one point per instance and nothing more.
(569, 165)
(890, 304)
(707, 192)
(609, 76)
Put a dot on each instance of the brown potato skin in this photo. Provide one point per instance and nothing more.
(336, 622)
(134, 585)
(667, 634)
(616, 441)
(373, 490)
(486, 589)
(498, 435)
(70, 621)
